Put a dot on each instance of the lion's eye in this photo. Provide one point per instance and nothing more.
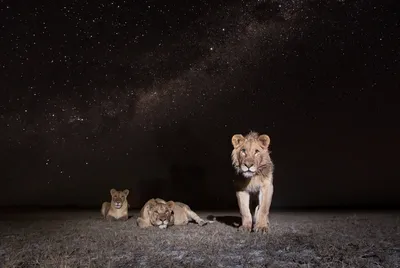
(243, 150)
(257, 151)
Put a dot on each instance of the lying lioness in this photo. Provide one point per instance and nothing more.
(118, 208)
(157, 212)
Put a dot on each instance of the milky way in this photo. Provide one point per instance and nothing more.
(107, 73)
(227, 45)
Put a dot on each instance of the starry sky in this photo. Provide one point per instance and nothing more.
(146, 95)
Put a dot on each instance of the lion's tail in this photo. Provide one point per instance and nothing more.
(211, 218)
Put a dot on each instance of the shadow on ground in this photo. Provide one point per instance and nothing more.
(233, 221)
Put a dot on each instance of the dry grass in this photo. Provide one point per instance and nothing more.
(83, 239)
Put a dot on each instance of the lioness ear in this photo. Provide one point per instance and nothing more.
(237, 140)
(265, 140)
(170, 204)
(151, 203)
(112, 191)
(126, 192)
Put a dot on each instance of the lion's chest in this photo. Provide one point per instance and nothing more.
(252, 185)
(118, 213)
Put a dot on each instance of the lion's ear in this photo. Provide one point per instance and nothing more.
(265, 140)
(151, 203)
(126, 192)
(171, 204)
(237, 140)
(112, 191)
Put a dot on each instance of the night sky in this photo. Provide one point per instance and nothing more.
(136, 94)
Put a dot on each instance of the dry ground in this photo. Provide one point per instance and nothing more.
(302, 239)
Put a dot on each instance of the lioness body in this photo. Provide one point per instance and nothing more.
(250, 158)
(183, 214)
(158, 212)
(118, 207)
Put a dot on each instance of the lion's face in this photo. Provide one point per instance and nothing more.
(250, 154)
(161, 214)
(118, 198)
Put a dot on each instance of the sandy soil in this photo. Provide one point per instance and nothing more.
(297, 239)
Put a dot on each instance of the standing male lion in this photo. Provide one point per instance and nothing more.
(251, 159)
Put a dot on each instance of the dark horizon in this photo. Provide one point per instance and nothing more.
(311, 192)
(143, 95)
(201, 209)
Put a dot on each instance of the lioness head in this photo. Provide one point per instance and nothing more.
(161, 214)
(118, 198)
(250, 155)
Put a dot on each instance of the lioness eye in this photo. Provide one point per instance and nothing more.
(243, 150)
(257, 151)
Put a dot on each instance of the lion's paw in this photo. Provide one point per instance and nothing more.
(245, 228)
(261, 228)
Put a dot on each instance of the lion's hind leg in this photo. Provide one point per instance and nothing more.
(193, 216)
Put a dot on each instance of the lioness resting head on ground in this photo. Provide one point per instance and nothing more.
(251, 159)
(118, 207)
(157, 212)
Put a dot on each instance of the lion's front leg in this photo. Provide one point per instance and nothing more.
(143, 223)
(124, 218)
(110, 218)
(262, 213)
(243, 199)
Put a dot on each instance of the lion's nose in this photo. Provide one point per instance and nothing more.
(248, 165)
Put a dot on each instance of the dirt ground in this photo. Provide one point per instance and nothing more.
(297, 239)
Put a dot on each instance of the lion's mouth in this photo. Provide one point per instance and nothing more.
(162, 226)
(117, 205)
(248, 174)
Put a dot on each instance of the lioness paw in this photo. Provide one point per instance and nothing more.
(202, 223)
(110, 218)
